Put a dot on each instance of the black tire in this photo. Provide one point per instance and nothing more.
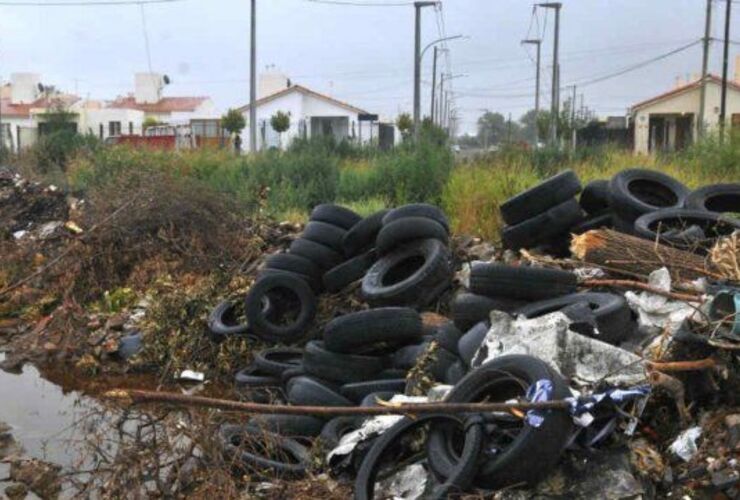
(346, 273)
(471, 341)
(455, 373)
(448, 335)
(293, 293)
(468, 309)
(543, 227)
(290, 373)
(390, 373)
(276, 360)
(612, 313)
(315, 284)
(534, 451)
(387, 325)
(720, 198)
(541, 198)
(424, 210)
(288, 425)
(306, 391)
(638, 191)
(407, 229)
(342, 368)
(334, 214)
(294, 264)
(323, 256)
(443, 360)
(326, 234)
(595, 197)
(623, 225)
(372, 398)
(252, 376)
(710, 226)
(523, 283)
(222, 320)
(358, 390)
(460, 475)
(362, 236)
(337, 428)
(604, 220)
(408, 274)
(274, 465)
(405, 358)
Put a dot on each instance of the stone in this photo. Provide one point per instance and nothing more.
(16, 491)
(42, 478)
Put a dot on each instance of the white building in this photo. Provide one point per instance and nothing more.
(311, 114)
(670, 121)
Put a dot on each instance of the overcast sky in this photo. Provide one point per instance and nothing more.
(363, 55)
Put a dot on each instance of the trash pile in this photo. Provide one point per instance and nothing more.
(645, 374)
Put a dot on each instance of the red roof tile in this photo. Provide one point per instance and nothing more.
(165, 105)
(7, 108)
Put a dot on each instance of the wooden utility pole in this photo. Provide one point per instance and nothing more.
(253, 80)
(725, 57)
(701, 125)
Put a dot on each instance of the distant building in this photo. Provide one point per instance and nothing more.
(311, 114)
(670, 121)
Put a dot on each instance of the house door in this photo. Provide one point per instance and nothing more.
(657, 133)
(684, 127)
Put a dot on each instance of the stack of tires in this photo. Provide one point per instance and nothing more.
(543, 215)
(414, 261)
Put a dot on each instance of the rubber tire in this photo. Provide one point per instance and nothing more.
(455, 373)
(294, 264)
(288, 425)
(276, 360)
(262, 324)
(323, 256)
(217, 321)
(337, 427)
(362, 235)
(346, 273)
(534, 452)
(417, 287)
(543, 227)
(307, 391)
(358, 390)
(408, 229)
(720, 198)
(656, 191)
(424, 210)
(352, 332)
(541, 198)
(341, 368)
(613, 314)
(595, 197)
(325, 234)
(471, 341)
(405, 358)
(713, 224)
(448, 336)
(523, 282)
(253, 376)
(460, 476)
(468, 309)
(604, 220)
(334, 214)
(315, 284)
(256, 465)
(372, 398)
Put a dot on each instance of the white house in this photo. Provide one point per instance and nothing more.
(311, 114)
(670, 121)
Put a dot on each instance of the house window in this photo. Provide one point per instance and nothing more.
(100, 131)
(130, 128)
(114, 128)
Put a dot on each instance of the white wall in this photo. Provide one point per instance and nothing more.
(89, 121)
(24, 87)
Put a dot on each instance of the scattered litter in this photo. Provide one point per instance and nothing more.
(192, 376)
(408, 484)
(72, 227)
(685, 444)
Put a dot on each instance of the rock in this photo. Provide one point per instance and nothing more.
(725, 479)
(42, 478)
(16, 491)
(48, 229)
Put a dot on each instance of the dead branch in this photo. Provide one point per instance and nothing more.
(683, 366)
(642, 286)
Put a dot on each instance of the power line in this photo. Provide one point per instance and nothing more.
(361, 4)
(78, 3)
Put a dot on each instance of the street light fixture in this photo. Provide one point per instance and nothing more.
(538, 44)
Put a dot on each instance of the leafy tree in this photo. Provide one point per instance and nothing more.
(233, 121)
(280, 122)
(150, 122)
(492, 128)
(405, 124)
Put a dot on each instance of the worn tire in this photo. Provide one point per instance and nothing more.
(405, 358)
(387, 325)
(323, 256)
(712, 225)
(541, 198)
(720, 198)
(543, 227)
(342, 368)
(534, 451)
(325, 234)
(288, 425)
(362, 236)
(424, 210)
(455, 373)
(264, 325)
(372, 398)
(306, 391)
(635, 192)
(221, 321)
(468, 309)
(346, 273)
(358, 390)
(294, 264)
(448, 335)
(405, 276)
(276, 360)
(253, 376)
(334, 214)
(338, 427)
(408, 229)
(595, 197)
(613, 314)
(471, 341)
(232, 437)
(522, 283)
(602, 221)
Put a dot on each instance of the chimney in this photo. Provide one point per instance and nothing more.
(24, 88)
(148, 89)
(271, 82)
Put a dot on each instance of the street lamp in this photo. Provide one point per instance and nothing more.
(434, 66)
(538, 44)
(417, 64)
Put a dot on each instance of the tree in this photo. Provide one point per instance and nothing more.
(233, 121)
(280, 122)
(491, 128)
(405, 124)
(150, 122)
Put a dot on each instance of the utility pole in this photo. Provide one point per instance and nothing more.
(434, 82)
(253, 81)
(574, 132)
(538, 44)
(701, 126)
(725, 57)
(417, 66)
(555, 108)
(441, 94)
